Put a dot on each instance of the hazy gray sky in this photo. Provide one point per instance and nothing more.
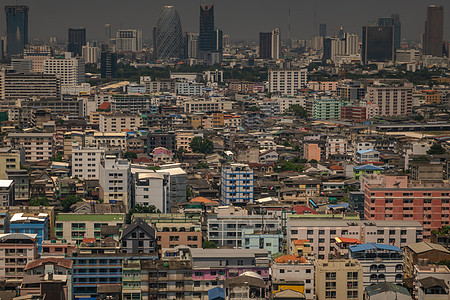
(241, 19)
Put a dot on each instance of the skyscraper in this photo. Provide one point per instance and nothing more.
(206, 36)
(276, 44)
(108, 62)
(218, 40)
(265, 45)
(107, 32)
(168, 34)
(377, 44)
(323, 30)
(393, 20)
(190, 44)
(129, 40)
(16, 29)
(77, 39)
(433, 38)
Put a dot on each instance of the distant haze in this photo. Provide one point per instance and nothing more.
(241, 19)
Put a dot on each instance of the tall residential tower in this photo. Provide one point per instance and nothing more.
(433, 38)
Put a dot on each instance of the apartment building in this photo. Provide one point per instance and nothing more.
(38, 146)
(7, 193)
(184, 139)
(327, 109)
(138, 237)
(16, 250)
(321, 231)
(73, 227)
(10, 159)
(187, 88)
(236, 184)
(25, 86)
(177, 180)
(210, 267)
(395, 198)
(115, 181)
(129, 40)
(294, 273)
(286, 102)
(225, 229)
(339, 279)
(133, 103)
(69, 69)
(119, 122)
(151, 188)
(86, 162)
(380, 262)
(390, 99)
(36, 223)
(287, 81)
(57, 248)
(108, 140)
(202, 105)
(336, 145)
(170, 235)
(161, 139)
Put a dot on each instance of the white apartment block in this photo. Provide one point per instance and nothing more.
(186, 88)
(91, 54)
(71, 70)
(37, 146)
(336, 145)
(109, 139)
(287, 82)
(129, 40)
(119, 122)
(151, 188)
(37, 55)
(390, 99)
(115, 181)
(287, 102)
(207, 106)
(86, 162)
(321, 232)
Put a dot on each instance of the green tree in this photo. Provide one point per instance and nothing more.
(201, 145)
(69, 201)
(297, 110)
(202, 165)
(130, 155)
(37, 201)
(253, 108)
(209, 244)
(143, 209)
(436, 149)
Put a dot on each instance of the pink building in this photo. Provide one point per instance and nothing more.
(16, 250)
(395, 198)
(311, 151)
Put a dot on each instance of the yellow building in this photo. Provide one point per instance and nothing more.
(432, 97)
(301, 247)
(184, 139)
(196, 121)
(339, 279)
(9, 160)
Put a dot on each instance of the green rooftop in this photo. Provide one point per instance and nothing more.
(352, 217)
(90, 217)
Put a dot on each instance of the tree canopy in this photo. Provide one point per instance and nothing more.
(201, 145)
(297, 110)
(436, 149)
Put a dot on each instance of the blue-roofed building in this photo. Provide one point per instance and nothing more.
(31, 223)
(364, 156)
(216, 293)
(380, 262)
(359, 171)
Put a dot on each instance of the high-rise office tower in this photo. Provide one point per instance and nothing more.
(323, 30)
(107, 32)
(77, 39)
(168, 34)
(218, 40)
(108, 62)
(377, 44)
(16, 29)
(206, 36)
(129, 40)
(276, 44)
(433, 37)
(190, 44)
(265, 45)
(393, 20)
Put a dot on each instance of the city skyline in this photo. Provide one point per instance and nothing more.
(265, 16)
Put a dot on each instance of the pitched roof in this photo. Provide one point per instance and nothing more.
(300, 210)
(62, 262)
(336, 167)
(370, 246)
(368, 168)
(285, 258)
(384, 287)
(426, 246)
(104, 106)
(288, 294)
(429, 282)
(202, 200)
(139, 223)
(347, 240)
